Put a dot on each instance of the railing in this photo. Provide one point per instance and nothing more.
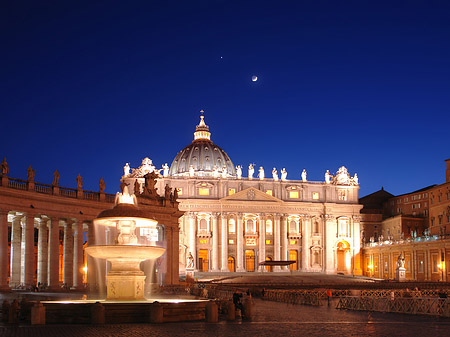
(111, 198)
(304, 297)
(17, 184)
(412, 305)
(43, 188)
(89, 195)
(405, 293)
(68, 192)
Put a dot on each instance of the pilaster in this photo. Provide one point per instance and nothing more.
(68, 254)
(42, 264)
(4, 250)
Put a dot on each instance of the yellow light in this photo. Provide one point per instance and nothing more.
(85, 269)
(293, 242)
(370, 266)
(203, 191)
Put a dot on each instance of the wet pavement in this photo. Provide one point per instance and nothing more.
(270, 319)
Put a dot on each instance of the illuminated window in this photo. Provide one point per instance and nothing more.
(269, 192)
(292, 242)
(268, 242)
(315, 195)
(203, 225)
(250, 226)
(231, 241)
(293, 226)
(343, 227)
(231, 226)
(269, 227)
(293, 256)
(293, 194)
(231, 264)
(180, 191)
(203, 191)
(204, 241)
(231, 191)
(342, 195)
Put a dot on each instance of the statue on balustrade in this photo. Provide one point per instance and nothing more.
(101, 185)
(165, 170)
(167, 191)
(327, 177)
(55, 181)
(137, 187)
(304, 175)
(79, 181)
(175, 194)
(261, 173)
(126, 170)
(4, 168)
(251, 170)
(275, 174)
(239, 171)
(30, 174)
(283, 174)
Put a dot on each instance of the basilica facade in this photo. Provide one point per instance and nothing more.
(259, 222)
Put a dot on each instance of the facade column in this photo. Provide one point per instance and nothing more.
(42, 251)
(169, 250)
(193, 238)
(175, 254)
(357, 263)
(306, 234)
(78, 255)
(53, 254)
(223, 219)
(4, 250)
(284, 255)
(16, 237)
(239, 244)
(276, 240)
(68, 254)
(262, 240)
(91, 265)
(29, 263)
(215, 243)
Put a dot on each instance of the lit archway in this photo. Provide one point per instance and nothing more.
(268, 268)
(343, 257)
(250, 260)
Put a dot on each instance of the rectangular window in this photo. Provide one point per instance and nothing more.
(269, 192)
(292, 242)
(231, 191)
(203, 241)
(231, 226)
(293, 194)
(268, 242)
(342, 195)
(420, 266)
(435, 264)
(315, 195)
(231, 241)
(203, 191)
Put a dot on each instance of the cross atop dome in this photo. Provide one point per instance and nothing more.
(202, 130)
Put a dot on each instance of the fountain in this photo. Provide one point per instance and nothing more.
(126, 247)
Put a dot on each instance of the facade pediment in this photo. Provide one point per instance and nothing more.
(251, 194)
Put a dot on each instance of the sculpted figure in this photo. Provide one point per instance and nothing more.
(304, 175)
(137, 187)
(275, 174)
(215, 172)
(283, 174)
(30, 173)
(401, 261)
(79, 181)
(191, 171)
(4, 168)
(165, 170)
(190, 261)
(239, 171)
(55, 178)
(123, 184)
(261, 173)
(101, 185)
(251, 170)
(355, 178)
(175, 194)
(224, 172)
(327, 177)
(167, 191)
(126, 170)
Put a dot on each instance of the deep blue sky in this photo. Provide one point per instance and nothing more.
(89, 85)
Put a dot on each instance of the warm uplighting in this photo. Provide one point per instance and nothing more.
(85, 269)
(370, 267)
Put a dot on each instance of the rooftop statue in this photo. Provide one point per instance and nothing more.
(327, 177)
(30, 174)
(146, 167)
(55, 178)
(101, 185)
(165, 170)
(126, 170)
(167, 192)
(215, 172)
(261, 173)
(4, 168)
(224, 172)
(355, 179)
(251, 170)
(239, 171)
(79, 182)
(283, 174)
(191, 171)
(304, 175)
(275, 174)
(137, 187)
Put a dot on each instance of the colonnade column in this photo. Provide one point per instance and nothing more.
(239, 244)
(193, 237)
(276, 239)
(91, 275)
(262, 241)
(215, 243)
(3, 250)
(29, 251)
(42, 251)
(305, 230)
(284, 250)
(169, 249)
(16, 235)
(78, 255)
(175, 253)
(53, 254)
(68, 254)
(223, 219)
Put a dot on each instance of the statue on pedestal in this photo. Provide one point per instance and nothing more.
(191, 171)
(400, 271)
(165, 170)
(261, 173)
(304, 175)
(215, 172)
(224, 172)
(101, 185)
(190, 261)
(4, 168)
(126, 170)
(327, 177)
(251, 170)
(30, 174)
(275, 174)
(239, 171)
(283, 174)
(55, 178)
(79, 182)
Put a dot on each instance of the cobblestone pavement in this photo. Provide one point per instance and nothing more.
(270, 319)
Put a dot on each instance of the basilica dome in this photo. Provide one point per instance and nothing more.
(202, 157)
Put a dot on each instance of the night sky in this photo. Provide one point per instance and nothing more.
(87, 86)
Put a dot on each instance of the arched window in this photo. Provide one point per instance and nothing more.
(203, 225)
(293, 226)
(269, 227)
(231, 264)
(231, 226)
(250, 226)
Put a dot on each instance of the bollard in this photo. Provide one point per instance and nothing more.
(248, 311)
(212, 312)
(98, 313)
(156, 313)
(37, 314)
(231, 311)
(5, 310)
(13, 315)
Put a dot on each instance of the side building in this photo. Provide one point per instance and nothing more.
(233, 223)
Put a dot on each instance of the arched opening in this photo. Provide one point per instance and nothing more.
(269, 268)
(203, 260)
(231, 264)
(250, 260)
(343, 257)
(293, 256)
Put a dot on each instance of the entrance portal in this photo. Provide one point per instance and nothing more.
(343, 257)
(250, 260)
(203, 260)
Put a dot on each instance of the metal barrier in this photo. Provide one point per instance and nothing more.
(412, 305)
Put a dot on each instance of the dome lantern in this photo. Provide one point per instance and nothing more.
(202, 130)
